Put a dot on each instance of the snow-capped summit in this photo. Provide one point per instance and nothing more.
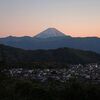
(50, 32)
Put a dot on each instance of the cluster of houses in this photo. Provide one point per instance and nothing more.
(82, 72)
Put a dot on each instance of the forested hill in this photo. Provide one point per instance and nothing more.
(62, 55)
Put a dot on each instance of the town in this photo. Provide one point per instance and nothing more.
(88, 72)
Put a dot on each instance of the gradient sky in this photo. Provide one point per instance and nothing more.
(29, 17)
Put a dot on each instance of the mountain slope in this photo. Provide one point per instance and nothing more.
(62, 55)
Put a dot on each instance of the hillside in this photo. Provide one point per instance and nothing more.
(61, 55)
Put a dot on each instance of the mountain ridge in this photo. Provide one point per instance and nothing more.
(62, 55)
(34, 43)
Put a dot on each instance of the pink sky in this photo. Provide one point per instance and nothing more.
(79, 18)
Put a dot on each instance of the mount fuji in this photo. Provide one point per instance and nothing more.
(50, 32)
(52, 38)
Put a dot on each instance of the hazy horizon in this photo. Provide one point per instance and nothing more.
(9, 35)
(77, 18)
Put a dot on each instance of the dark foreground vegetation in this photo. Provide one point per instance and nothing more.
(12, 88)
